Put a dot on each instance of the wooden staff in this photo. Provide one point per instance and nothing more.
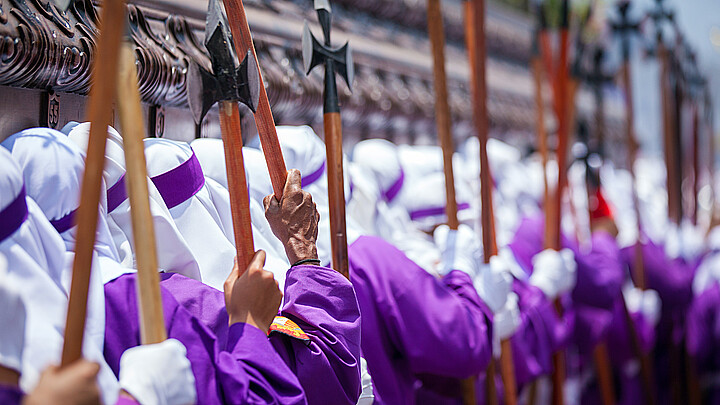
(707, 110)
(99, 113)
(552, 222)
(563, 106)
(660, 15)
(264, 120)
(476, 48)
(152, 323)
(237, 182)
(443, 119)
(696, 160)
(537, 69)
(536, 64)
(335, 61)
(229, 84)
(624, 27)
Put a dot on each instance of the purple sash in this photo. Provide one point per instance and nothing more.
(12, 216)
(64, 223)
(116, 194)
(393, 191)
(429, 212)
(179, 184)
(312, 177)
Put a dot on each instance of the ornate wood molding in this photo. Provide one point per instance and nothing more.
(44, 48)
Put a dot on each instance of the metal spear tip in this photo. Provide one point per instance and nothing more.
(222, 52)
(323, 5)
(216, 19)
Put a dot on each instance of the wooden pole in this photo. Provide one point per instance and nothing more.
(152, 323)
(674, 210)
(237, 182)
(639, 262)
(553, 222)
(332, 126)
(536, 64)
(332, 129)
(476, 48)
(537, 69)
(604, 372)
(696, 160)
(99, 114)
(442, 108)
(624, 28)
(443, 122)
(264, 120)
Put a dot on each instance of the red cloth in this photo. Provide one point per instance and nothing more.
(599, 207)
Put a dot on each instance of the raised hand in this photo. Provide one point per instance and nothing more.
(294, 219)
(252, 296)
(73, 385)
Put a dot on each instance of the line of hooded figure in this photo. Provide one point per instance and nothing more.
(420, 312)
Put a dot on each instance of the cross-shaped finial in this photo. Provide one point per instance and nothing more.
(624, 27)
(335, 60)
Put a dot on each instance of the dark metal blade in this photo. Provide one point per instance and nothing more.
(346, 68)
(202, 91)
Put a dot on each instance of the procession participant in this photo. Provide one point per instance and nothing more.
(599, 271)
(260, 186)
(406, 310)
(362, 200)
(211, 155)
(32, 335)
(317, 338)
(52, 169)
(195, 202)
(614, 202)
(701, 327)
(379, 158)
(173, 253)
(529, 319)
(541, 330)
(207, 348)
(589, 304)
(242, 366)
(644, 308)
(210, 151)
(35, 252)
(310, 158)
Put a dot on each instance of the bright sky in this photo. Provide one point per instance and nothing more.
(700, 22)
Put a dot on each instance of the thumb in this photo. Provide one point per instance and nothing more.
(271, 203)
(85, 369)
(234, 275)
(294, 182)
(258, 261)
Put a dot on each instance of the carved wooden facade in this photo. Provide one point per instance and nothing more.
(44, 49)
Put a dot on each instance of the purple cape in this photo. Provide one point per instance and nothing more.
(10, 395)
(672, 279)
(414, 325)
(323, 304)
(540, 334)
(599, 279)
(246, 369)
(702, 337)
